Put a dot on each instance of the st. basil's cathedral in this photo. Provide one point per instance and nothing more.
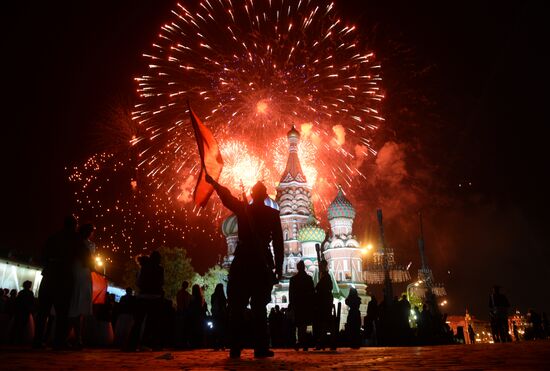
(301, 232)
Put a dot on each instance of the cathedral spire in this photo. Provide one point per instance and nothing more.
(293, 171)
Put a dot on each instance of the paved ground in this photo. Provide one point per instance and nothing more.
(515, 356)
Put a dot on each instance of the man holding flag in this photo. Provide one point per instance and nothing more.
(253, 270)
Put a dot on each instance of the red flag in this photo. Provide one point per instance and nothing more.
(99, 288)
(211, 160)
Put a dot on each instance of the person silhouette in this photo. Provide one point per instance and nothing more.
(81, 301)
(353, 322)
(183, 298)
(251, 275)
(301, 294)
(57, 283)
(197, 316)
(404, 312)
(219, 316)
(150, 282)
(276, 326)
(324, 302)
(498, 310)
(125, 317)
(127, 302)
(24, 304)
(371, 321)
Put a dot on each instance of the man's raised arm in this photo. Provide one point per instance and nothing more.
(228, 200)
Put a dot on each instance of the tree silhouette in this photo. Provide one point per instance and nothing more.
(210, 279)
(177, 268)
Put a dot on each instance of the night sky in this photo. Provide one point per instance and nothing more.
(464, 139)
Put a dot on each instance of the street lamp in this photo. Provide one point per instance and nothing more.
(99, 262)
(365, 250)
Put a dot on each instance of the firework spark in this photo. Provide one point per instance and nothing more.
(132, 216)
(240, 166)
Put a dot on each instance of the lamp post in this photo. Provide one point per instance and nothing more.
(388, 288)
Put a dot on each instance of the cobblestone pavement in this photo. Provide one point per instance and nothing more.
(514, 356)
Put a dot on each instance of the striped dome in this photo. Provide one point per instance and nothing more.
(230, 226)
(311, 233)
(269, 202)
(341, 207)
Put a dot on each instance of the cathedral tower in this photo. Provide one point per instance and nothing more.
(294, 199)
(342, 250)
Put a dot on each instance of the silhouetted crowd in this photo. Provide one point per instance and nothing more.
(64, 296)
(147, 320)
(64, 316)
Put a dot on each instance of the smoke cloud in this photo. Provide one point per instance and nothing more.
(361, 154)
(187, 187)
(390, 164)
(307, 133)
(340, 135)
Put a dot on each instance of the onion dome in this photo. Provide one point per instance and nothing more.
(311, 233)
(341, 207)
(293, 133)
(230, 226)
(268, 202)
